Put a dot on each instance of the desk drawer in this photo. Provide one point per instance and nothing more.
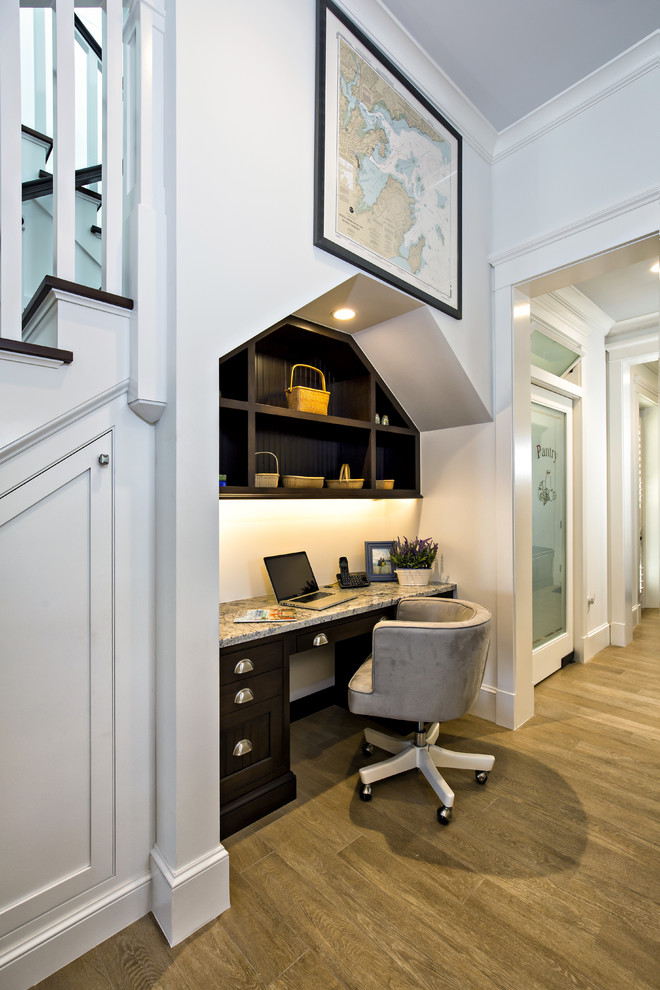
(338, 631)
(241, 695)
(251, 747)
(249, 660)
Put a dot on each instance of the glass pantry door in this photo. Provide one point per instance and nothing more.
(552, 532)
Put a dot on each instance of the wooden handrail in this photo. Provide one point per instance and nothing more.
(35, 350)
(75, 288)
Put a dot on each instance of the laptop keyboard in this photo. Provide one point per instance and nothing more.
(314, 596)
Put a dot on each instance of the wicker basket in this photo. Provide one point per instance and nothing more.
(264, 479)
(304, 399)
(300, 481)
(385, 483)
(345, 480)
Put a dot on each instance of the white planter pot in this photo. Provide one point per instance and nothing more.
(413, 575)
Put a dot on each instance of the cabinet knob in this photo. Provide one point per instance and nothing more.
(242, 747)
(320, 640)
(243, 666)
(245, 694)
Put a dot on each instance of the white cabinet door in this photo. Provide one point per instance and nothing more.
(56, 685)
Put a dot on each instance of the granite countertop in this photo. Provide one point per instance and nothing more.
(377, 595)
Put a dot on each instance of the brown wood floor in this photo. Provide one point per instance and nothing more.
(548, 877)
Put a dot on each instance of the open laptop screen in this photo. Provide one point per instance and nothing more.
(290, 574)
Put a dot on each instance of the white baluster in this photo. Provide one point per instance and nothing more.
(64, 198)
(145, 265)
(41, 87)
(113, 147)
(10, 171)
(92, 107)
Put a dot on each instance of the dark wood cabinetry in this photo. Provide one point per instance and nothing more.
(254, 417)
(254, 738)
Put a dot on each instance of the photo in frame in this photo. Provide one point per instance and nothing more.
(378, 564)
(388, 169)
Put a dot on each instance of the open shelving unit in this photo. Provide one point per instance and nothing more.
(254, 417)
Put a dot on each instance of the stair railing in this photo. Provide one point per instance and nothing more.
(63, 156)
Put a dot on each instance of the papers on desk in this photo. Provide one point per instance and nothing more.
(266, 615)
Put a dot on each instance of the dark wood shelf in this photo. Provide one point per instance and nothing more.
(234, 491)
(254, 417)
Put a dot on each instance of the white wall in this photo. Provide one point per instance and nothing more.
(326, 529)
(586, 151)
(459, 512)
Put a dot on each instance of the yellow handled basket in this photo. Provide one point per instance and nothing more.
(305, 399)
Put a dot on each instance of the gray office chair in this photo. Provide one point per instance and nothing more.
(426, 666)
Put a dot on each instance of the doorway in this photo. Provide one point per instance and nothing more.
(552, 532)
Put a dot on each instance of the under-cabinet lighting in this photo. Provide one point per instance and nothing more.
(344, 314)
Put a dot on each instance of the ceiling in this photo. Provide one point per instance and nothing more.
(625, 294)
(511, 56)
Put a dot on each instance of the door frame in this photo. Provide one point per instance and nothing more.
(622, 356)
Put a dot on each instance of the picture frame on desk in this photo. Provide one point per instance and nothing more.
(378, 564)
(388, 183)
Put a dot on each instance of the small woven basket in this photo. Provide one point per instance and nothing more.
(265, 479)
(300, 481)
(385, 483)
(304, 399)
(345, 480)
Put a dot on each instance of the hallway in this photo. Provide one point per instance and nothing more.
(547, 879)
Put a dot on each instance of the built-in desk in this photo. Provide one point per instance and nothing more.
(255, 776)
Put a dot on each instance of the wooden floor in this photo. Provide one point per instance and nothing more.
(548, 877)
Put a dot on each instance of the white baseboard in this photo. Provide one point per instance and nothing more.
(185, 899)
(74, 934)
(486, 704)
(594, 642)
(619, 634)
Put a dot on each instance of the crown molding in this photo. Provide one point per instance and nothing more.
(641, 200)
(570, 313)
(640, 344)
(621, 71)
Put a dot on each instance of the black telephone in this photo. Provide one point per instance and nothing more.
(347, 580)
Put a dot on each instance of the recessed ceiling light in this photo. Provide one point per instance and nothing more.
(344, 314)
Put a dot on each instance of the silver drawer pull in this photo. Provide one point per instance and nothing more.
(242, 747)
(243, 666)
(245, 694)
(320, 640)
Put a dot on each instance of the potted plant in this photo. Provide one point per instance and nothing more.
(413, 560)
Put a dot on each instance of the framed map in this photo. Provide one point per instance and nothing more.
(388, 169)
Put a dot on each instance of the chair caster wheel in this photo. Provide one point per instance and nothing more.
(481, 776)
(367, 749)
(364, 791)
(444, 815)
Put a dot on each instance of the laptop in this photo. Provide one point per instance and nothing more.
(294, 583)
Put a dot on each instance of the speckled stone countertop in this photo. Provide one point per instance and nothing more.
(378, 595)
